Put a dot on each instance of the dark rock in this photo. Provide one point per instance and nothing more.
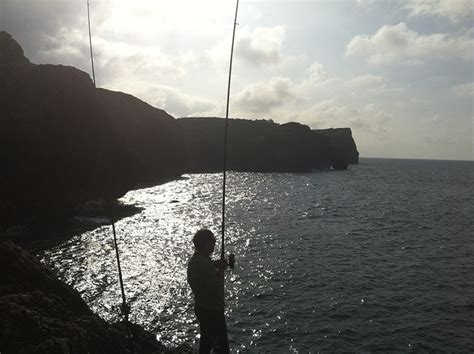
(41, 314)
(11, 53)
(48, 227)
(146, 143)
(52, 140)
(265, 146)
(339, 164)
(341, 144)
(56, 129)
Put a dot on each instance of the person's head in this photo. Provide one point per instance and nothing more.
(204, 241)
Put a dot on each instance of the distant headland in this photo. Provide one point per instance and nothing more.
(51, 139)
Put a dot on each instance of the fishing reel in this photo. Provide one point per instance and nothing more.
(231, 260)
(125, 309)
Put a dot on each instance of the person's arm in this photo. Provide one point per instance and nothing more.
(221, 264)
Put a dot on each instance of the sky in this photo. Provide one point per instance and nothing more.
(399, 73)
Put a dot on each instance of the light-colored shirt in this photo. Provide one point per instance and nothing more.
(205, 282)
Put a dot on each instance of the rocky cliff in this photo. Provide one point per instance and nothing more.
(265, 146)
(56, 128)
(52, 140)
(41, 314)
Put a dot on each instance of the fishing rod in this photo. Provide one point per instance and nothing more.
(231, 256)
(125, 308)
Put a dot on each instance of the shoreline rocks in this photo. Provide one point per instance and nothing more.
(41, 314)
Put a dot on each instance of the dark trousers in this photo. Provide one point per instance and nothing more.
(213, 331)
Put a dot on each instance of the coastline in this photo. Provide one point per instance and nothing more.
(41, 313)
(39, 229)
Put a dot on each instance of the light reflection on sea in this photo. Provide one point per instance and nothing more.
(374, 258)
(154, 247)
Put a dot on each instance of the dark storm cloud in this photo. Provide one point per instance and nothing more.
(50, 31)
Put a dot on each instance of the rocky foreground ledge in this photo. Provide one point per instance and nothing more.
(41, 314)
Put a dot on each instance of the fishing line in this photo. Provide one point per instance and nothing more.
(124, 308)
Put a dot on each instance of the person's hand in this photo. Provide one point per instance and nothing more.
(221, 264)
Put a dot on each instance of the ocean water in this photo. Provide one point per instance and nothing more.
(376, 258)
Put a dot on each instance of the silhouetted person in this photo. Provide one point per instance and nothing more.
(205, 278)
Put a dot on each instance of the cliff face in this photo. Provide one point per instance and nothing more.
(51, 139)
(41, 314)
(337, 145)
(11, 53)
(264, 146)
(144, 143)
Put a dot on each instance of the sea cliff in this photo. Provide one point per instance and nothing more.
(54, 135)
(65, 142)
(265, 146)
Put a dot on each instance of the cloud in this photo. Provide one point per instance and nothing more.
(464, 90)
(316, 72)
(329, 113)
(261, 46)
(179, 104)
(365, 3)
(262, 97)
(50, 32)
(68, 45)
(398, 43)
(321, 85)
(122, 61)
(367, 82)
(455, 10)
